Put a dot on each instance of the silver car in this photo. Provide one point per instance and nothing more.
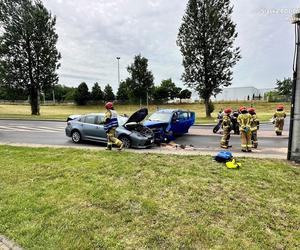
(90, 127)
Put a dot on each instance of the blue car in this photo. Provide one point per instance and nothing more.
(169, 123)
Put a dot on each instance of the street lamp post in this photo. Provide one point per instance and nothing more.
(294, 142)
(53, 94)
(118, 58)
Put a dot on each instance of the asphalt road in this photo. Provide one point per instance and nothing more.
(201, 137)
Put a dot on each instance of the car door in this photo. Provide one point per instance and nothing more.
(175, 124)
(180, 125)
(190, 120)
(184, 117)
(100, 132)
(89, 127)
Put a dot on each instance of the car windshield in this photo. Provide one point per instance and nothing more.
(122, 120)
(160, 116)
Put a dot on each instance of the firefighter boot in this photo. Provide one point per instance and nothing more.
(121, 147)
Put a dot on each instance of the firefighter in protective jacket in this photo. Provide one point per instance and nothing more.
(110, 125)
(279, 117)
(254, 127)
(244, 119)
(226, 125)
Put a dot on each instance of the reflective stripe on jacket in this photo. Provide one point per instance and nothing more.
(113, 120)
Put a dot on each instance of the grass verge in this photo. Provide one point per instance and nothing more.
(265, 110)
(82, 199)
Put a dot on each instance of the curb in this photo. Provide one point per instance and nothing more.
(6, 244)
(161, 151)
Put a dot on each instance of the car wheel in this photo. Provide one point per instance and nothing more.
(126, 141)
(76, 136)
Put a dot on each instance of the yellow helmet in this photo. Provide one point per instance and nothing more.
(233, 164)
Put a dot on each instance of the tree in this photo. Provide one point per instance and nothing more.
(97, 94)
(184, 94)
(28, 54)
(141, 79)
(160, 94)
(171, 88)
(13, 94)
(61, 93)
(123, 93)
(70, 95)
(108, 93)
(285, 87)
(82, 94)
(206, 40)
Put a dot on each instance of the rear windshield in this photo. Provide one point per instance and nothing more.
(161, 117)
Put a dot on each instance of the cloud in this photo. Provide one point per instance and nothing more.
(93, 33)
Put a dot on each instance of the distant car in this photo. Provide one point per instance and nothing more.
(90, 127)
(169, 123)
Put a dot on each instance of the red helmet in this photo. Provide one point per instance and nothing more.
(280, 106)
(251, 110)
(227, 110)
(243, 108)
(109, 105)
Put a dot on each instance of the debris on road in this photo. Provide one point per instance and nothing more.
(174, 145)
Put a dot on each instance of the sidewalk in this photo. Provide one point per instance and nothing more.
(209, 132)
(6, 244)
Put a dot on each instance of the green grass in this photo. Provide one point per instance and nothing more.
(82, 199)
(265, 110)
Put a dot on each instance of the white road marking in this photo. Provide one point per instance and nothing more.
(52, 128)
(31, 129)
(4, 128)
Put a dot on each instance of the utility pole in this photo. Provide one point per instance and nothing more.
(118, 58)
(147, 99)
(294, 141)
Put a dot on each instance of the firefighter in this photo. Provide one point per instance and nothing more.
(220, 120)
(110, 125)
(244, 119)
(226, 125)
(254, 127)
(235, 124)
(279, 117)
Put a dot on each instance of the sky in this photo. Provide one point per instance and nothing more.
(93, 33)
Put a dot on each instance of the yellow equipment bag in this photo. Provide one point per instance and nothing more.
(233, 164)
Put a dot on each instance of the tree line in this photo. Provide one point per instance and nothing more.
(163, 93)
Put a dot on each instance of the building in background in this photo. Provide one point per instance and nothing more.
(237, 94)
(241, 94)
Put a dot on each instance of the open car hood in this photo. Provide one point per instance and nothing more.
(138, 116)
